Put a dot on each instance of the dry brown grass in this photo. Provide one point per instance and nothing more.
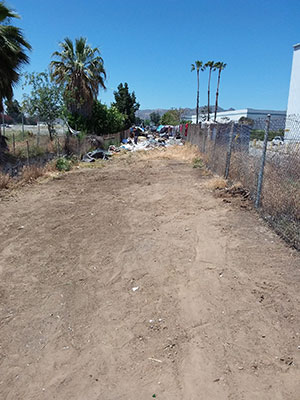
(236, 186)
(50, 166)
(5, 181)
(186, 153)
(281, 193)
(93, 165)
(216, 183)
(38, 147)
(31, 173)
(244, 169)
(281, 188)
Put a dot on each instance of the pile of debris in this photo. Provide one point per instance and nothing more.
(97, 154)
(148, 142)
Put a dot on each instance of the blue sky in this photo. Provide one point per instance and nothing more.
(151, 45)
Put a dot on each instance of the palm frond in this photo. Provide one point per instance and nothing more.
(13, 55)
(6, 13)
(81, 68)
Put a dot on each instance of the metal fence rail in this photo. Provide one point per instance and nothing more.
(268, 168)
(30, 148)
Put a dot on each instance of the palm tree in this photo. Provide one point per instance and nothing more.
(12, 53)
(197, 66)
(80, 67)
(211, 66)
(219, 66)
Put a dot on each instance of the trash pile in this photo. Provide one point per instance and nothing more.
(137, 143)
(97, 154)
(149, 143)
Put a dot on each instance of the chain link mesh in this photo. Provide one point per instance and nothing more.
(280, 196)
(33, 146)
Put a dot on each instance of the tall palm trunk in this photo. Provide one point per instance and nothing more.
(197, 108)
(208, 94)
(217, 94)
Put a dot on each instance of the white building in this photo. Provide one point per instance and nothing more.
(257, 115)
(292, 131)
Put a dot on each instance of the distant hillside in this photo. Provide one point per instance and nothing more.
(145, 114)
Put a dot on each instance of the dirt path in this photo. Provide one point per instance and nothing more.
(215, 313)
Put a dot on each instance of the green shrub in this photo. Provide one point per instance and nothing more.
(104, 120)
(259, 134)
(63, 164)
(197, 163)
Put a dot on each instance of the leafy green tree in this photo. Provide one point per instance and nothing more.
(115, 120)
(246, 121)
(13, 109)
(139, 121)
(106, 120)
(171, 117)
(197, 66)
(155, 117)
(103, 120)
(126, 103)
(45, 100)
(81, 69)
(13, 48)
(211, 67)
(219, 66)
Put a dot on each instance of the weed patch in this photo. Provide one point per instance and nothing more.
(31, 173)
(4, 181)
(63, 164)
(198, 163)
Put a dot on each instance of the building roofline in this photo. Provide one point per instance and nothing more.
(296, 46)
(249, 112)
(252, 111)
(256, 111)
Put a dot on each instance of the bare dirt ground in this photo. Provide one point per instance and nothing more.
(214, 313)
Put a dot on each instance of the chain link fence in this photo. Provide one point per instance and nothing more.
(264, 159)
(32, 146)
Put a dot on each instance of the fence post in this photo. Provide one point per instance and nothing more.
(27, 145)
(14, 143)
(263, 161)
(215, 137)
(3, 124)
(23, 132)
(58, 147)
(78, 147)
(229, 150)
(38, 134)
(204, 139)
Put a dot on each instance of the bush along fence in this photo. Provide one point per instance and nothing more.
(269, 169)
(25, 148)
